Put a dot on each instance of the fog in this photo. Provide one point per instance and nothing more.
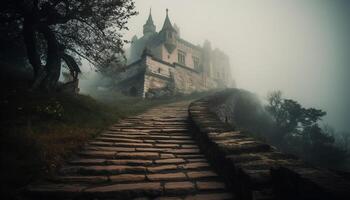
(299, 47)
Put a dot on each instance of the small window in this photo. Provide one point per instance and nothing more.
(181, 56)
(159, 69)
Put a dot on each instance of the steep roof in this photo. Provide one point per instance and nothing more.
(150, 19)
(167, 24)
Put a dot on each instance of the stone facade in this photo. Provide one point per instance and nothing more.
(165, 64)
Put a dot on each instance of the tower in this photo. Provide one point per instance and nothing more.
(168, 34)
(149, 27)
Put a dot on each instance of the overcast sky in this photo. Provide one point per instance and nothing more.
(301, 47)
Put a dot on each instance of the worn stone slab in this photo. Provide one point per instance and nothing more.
(161, 168)
(113, 139)
(170, 161)
(201, 174)
(179, 187)
(167, 145)
(138, 155)
(128, 190)
(184, 151)
(132, 145)
(167, 176)
(167, 155)
(101, 169)
(160, 150)
(114, 149)
(135, 162)
(197, 165)
(127, 178)
(176, 141)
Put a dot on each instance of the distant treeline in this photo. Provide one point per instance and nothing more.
(293, 129)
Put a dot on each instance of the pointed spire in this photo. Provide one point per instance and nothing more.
(167, 23)
(150, 20)
(149, 27)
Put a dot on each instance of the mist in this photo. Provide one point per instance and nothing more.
(296, 46)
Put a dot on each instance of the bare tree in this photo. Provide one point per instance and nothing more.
(56, 31)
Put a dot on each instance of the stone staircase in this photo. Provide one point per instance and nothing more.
(150, 156)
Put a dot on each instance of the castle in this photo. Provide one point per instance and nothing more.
(162, 63)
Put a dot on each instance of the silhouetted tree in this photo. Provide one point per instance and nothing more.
(298, 131)
(60, 30)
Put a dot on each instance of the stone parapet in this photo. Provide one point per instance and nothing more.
(253, 169)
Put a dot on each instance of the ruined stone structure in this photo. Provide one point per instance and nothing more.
(162, 63)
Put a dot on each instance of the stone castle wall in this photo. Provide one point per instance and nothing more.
(254, 169)
(151, 77)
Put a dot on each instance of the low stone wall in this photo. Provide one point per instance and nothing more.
(253, 169)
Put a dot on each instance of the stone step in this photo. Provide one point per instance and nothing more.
(138, 155)
(176, 141)
(132, 145)
(143, 136)
(172, 176)
(114, 139)
(109, 148)
(127, 190)
(102, 170)
(110, 162)
(150, 156)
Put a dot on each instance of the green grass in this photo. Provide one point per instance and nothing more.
(39, 131)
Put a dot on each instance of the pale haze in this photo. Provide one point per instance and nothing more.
(299, 47)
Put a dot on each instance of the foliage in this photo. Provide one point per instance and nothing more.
(56, 31)
(53, 109)
(297, 131)
(290, 127)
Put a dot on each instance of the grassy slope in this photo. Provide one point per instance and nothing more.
(39, 131)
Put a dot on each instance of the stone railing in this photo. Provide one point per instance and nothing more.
(253, 169)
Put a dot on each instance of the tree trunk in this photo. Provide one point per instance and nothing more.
(32, 51)
(53, 62)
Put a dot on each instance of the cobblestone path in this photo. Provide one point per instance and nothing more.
(149, 156)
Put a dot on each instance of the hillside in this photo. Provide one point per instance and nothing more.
(38, 131)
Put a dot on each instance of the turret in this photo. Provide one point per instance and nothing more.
(168, 34)
(149, 27)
